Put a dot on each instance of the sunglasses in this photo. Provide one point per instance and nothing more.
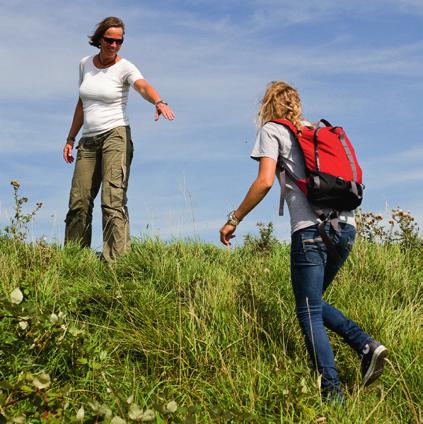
(109, 40)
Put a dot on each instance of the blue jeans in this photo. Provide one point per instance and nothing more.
(312, 270)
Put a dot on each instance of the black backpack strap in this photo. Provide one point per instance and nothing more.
(282, 182)
(325, 123)
(333, 219)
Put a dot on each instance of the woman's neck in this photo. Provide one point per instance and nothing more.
(106, 61)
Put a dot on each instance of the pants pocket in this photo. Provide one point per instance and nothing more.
(314, 250)
(117, 187)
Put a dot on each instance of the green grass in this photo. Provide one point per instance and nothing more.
(192, 323)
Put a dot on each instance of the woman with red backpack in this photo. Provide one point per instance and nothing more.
(313, 267)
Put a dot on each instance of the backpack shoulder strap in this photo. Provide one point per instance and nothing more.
(282, 166)
(287, 124)
(281, 160)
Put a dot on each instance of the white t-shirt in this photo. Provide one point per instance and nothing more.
(274, 139)
(104, 94)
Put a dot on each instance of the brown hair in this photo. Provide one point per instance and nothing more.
(102, 27)
(280, 101)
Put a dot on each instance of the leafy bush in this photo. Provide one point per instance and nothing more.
(265, 242)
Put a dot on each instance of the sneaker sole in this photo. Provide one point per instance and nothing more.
(376, 365)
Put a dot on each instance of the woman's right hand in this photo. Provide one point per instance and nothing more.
(227, 233)
(67, 152)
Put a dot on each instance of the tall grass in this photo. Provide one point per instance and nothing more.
(192, 323)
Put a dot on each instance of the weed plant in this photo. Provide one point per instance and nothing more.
(18, 225)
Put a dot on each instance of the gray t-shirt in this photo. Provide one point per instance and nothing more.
(273, 140)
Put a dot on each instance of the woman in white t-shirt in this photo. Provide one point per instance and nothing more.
(105, 149)
(312, 269)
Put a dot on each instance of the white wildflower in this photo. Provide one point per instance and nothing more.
(95, 406)
(54, 318)
(135, 412)
(80, 414)
(16, 296)
(41, 381)
(148, 416)
(76, 331)
(171, 407)
(23, 324)
(105, 412)
(117, 420)
(130, 399)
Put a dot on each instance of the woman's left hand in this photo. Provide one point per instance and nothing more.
(150, 94)
(165, 110)
(227, 233)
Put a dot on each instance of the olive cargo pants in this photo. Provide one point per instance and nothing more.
(103, 160)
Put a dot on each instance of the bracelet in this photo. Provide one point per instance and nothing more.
(160, 101)
(232, 219)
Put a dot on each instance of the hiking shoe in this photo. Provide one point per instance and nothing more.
(372, 361)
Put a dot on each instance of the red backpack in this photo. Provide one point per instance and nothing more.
(333, 175)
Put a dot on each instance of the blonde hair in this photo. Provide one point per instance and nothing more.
(280, 101)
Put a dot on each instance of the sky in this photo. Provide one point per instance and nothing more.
(358, 64)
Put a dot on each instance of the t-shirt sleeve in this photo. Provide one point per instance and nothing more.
(81, 68)
(132, 74)
(266, 145)
(81, 72)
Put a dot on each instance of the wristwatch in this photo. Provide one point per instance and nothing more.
(232, 219)
(160, 101)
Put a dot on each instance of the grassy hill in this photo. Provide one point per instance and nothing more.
(188, 332)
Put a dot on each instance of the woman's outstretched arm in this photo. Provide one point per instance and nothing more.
(256, 193)
(149, 93)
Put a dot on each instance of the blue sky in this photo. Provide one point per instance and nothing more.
(359, 64)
